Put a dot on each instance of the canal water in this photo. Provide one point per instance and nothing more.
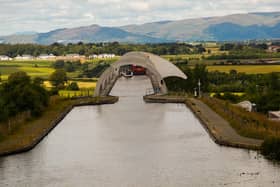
(135, 144)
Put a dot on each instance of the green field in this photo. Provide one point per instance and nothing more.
(32, 68)
(249, 69)
(43, 72)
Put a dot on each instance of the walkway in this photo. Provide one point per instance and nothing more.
(219, 128)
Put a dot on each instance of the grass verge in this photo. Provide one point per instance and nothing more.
(248, 124)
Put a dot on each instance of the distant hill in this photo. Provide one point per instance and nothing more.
(225, 28)
(213, 28)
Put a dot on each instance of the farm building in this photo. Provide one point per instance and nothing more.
(5, 58)
(102, 56)
(71, 57)
(274, 115)
(247, 105)
(46, 57)
(24, 57)
(274, 48)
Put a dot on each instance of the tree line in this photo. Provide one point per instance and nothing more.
(98, 48)
(262, 89)
(244, 51)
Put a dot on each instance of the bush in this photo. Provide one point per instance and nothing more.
(271, 148)
(73, 86)
(58, 78)
(229, 97)
(19, 94)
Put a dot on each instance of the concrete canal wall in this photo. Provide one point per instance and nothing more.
(219, 129)
(55, 122)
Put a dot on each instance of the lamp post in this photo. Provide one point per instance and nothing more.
(199, 89)
(195, 92)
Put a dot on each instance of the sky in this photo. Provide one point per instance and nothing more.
(45, 15)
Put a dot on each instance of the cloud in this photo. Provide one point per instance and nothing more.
(45, 15)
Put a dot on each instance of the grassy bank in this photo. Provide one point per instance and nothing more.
(248, 124)
(271, 148)
(28, 133)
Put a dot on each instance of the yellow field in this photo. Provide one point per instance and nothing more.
(82, 85)
(80, 93)
(85, 84)
(250, 69)
(233, 93)
(186, 56)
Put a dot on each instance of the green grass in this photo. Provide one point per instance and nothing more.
(103, 60)
(248, 124)
(43, 72)
(79, 93)
(34, 68)
(40, 63)
(249, 69)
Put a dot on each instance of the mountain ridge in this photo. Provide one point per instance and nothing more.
(235, 27)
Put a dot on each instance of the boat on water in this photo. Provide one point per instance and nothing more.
(127, 74)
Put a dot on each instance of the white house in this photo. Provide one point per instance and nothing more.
(94, 56)
(247, 105)
(102, 56)
(274, 48)
(46, 57)
(5, 58)
(24, 57)
(274, 115)
(73, 56)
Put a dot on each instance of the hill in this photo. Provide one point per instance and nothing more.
(225, 28)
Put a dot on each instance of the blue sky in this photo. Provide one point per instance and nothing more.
(45, 15)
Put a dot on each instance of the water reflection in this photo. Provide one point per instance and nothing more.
(135, 144)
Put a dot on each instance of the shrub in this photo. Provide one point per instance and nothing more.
(271, 148)
(19, 94)
(58, 78)
(73, 86)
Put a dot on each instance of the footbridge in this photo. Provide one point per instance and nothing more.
(156, 67)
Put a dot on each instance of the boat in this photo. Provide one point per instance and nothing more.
(128, 74)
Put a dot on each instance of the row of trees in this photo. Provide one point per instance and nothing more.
(241, 46)
(99, 48)
(87, 70)
(245, 53)
(262, 89)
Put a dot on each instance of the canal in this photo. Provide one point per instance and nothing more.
(132, 143)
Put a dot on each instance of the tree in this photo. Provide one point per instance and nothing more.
(73, 86)
(59, 64)
(18, 78)
(38, 81)
(20, 94)
(58, 78)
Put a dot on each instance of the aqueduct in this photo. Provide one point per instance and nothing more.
(156, 67)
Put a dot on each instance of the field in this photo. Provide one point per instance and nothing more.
(80, 93)
(86, 89)
(81, 84)
(249, 69)
(32, 68)
(233, 93)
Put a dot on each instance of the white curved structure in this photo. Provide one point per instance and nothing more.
(157, 69)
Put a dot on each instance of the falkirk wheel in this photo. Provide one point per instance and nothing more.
(156, 67)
